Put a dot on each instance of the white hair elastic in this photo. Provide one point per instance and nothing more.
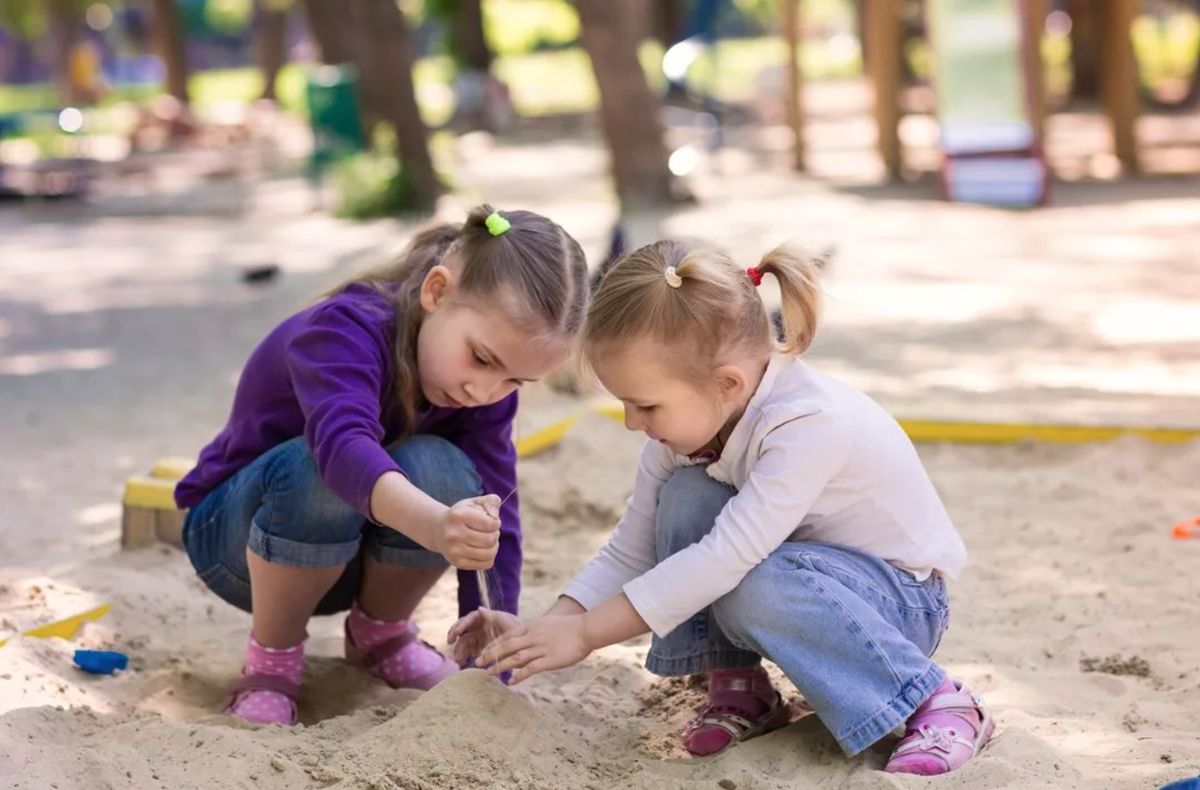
(673, 279)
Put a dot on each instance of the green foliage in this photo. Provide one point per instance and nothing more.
(373, 184)
(517, 27)
(30, 19)
(228, 16)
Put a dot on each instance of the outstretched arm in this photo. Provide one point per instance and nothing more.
(555, 641)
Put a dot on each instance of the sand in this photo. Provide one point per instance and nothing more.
(1078, 619)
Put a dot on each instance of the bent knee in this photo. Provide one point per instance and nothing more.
(439, 468)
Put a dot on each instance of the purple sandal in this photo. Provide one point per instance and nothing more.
(730, 716)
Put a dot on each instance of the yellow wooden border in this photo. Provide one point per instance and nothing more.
(173, 467)
(151, 492)
(158, 490)
(1009, 433)
(1000, 433)
(64, 629)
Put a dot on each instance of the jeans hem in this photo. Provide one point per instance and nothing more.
(700, 662)
(409, 558)
(282, 551)
(897, 711)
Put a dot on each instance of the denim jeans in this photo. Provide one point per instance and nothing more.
(851, 631)
(278, 508)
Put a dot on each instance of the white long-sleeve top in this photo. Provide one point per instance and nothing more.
(811, 458)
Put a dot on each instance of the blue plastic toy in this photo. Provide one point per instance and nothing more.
(1184, 784)
(100, 662)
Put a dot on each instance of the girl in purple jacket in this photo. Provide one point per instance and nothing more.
(370, 446)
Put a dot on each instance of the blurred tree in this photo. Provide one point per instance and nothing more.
(667, 19)
(62, 21)
(271, 40)
(331, 24)
(1085, 49)
(481, 99)
(629, 110)
(388, 56)
(66, 30)
(171, 46)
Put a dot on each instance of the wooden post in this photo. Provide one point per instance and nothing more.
(794, 84)
(882, 54)
(1119, 80)
(1034, 14)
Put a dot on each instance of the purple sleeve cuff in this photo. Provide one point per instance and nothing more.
(353, 472)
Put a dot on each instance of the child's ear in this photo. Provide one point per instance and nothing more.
(438, 284)
(731, 382)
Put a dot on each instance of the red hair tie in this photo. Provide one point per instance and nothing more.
(755, 276)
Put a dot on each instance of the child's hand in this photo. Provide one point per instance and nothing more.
(470, 533)
(552, 642)
(472, 633)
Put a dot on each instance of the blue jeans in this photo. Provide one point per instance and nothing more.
(851, 631)
(278, 508)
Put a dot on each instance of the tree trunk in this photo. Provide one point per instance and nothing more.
(171, 46)
(389, 50)
(271, 43)
(1085, 49)
(629, 111)
(469, 41)
(333, 25)
(667, 20)
(66, 23)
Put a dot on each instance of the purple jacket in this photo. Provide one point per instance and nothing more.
(323, 374)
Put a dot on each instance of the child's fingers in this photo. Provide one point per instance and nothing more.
(491, 504)
(475, 559)
(466, 648)
(505, 649)
(529, 670)
(464, 624)
(502, 645)
(482, 521)
(519, 659)
(481, 539)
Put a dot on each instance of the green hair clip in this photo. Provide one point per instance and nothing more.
(497, 224)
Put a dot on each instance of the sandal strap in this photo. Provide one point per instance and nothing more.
(962, 701)
(261, 681)
(742, 681)
(371, 659)
(930, 739)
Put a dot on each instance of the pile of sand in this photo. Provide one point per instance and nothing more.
(1078, 619)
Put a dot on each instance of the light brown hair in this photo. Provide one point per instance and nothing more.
(535, 261)
(713, 309)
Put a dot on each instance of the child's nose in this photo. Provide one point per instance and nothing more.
(632, 421)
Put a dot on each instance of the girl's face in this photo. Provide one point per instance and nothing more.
(470, 354)
(662, 404)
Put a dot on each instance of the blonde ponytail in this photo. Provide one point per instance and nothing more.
(798, 273)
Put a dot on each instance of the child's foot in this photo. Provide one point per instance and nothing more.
(391, 651)
(266, 693)
(949, 729)
(742, 703)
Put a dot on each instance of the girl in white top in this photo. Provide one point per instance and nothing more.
(777, 513)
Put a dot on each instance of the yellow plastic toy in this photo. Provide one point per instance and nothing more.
(65, 629)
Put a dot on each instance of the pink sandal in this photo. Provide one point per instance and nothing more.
(734, 696)
(373, 660)
(263, 682)
(941, 736)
